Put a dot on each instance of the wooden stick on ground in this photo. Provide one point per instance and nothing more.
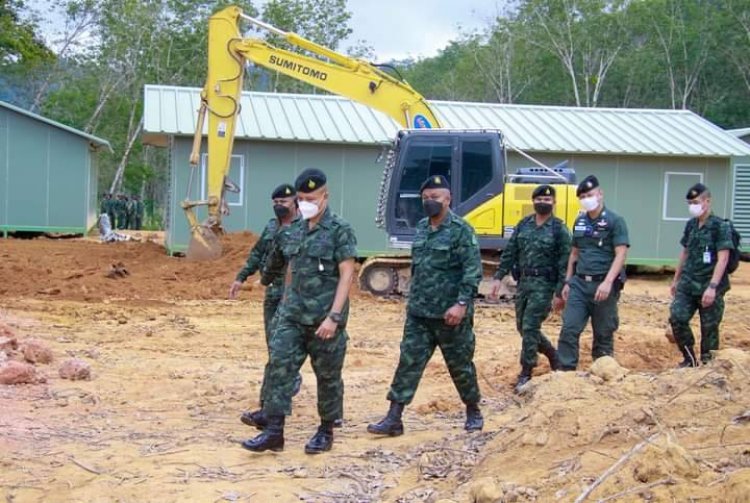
(612, 469)
(668, 481)
(81, 465)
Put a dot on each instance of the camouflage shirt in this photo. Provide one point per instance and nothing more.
(273, 271)
(544, 248)
(596, 240)
(314, 256)
(446, 267)
(259, 252)
(715, 235)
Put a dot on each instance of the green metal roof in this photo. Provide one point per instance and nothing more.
(170, 110)
(96, 141)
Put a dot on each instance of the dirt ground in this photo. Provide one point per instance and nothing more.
(174, 364)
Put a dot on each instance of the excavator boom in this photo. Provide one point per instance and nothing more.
(336, 73)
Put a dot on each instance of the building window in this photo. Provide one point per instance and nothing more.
(236, 175)
(676, 186)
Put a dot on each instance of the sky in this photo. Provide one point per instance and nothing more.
(397, 29)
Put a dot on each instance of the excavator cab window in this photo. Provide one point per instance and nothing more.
(420, 162)
(476, 162)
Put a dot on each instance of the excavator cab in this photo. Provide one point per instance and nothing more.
(472, 161)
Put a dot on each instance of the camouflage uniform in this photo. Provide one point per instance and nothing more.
(446, 268)
(122, 212)
(110, 210)
(541, 255)
(138, 214)
(715, 235)
(596, 241)
(314, 256)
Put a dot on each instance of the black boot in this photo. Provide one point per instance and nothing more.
(272, 437)
(689, 359)
(523, 378)
(297, 384)
(391, 424)
(551, 353)
(255, 418)
(474, 421)
(322, 440)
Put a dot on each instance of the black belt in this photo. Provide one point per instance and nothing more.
(592, 278)
(536, 271)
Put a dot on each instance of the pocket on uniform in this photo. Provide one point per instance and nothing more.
(440, 255)
(320, 255)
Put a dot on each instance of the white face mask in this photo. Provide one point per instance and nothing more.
(589, 203)
(695, 210)
(308, 210)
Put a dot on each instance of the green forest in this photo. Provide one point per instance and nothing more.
(90, 73)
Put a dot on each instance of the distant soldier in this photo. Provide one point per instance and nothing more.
(594, 277)
(538, 252)
(700, 281)
(130, 212)
(446, 271)
(320, 251)
(111, 210)
(122, 211)
(104, 203)
(138, 211)
(284, 199)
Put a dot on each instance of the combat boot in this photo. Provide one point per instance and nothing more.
(474, 420)
(523, 378)
(391, 424)
(297, 384)
(551, 353)
(272, 437)
(689, 360)
(322, 440)
(255, 418)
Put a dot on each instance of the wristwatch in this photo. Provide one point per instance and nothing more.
(713, 285)
(336, 317)
(461, 303)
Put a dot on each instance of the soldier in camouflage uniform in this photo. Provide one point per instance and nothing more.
(138, 210)
(109, 208)
(121, 208)
(594, 277)
(538, 250)
(320, 251)
(699, 280)
(446, 271)
(284, 199)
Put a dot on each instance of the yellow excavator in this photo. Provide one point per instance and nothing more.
(474, 161)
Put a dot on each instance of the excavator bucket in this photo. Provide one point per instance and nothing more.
(204, 245)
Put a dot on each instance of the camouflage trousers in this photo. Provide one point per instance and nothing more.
(291, 343)
(683, 309)
(270, 308)
(578, 309)
(421, 336)
(533, 305)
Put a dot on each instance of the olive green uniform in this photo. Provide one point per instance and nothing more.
(446, 268)
(313, 256)
(702, 245)
(540, 255)
(596, 240)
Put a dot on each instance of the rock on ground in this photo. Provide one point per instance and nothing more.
(75, 369)
(13, 372)
(35, 351)
(7, 343)
(608, 369)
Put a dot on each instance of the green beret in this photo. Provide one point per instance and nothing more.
(588, 183)
(543, 190)
(435, 182)
(695, 191)
(283, 190)
(309, 180)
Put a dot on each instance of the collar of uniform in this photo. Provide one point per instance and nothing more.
(327, 218)
(445, 223)
(603, 214)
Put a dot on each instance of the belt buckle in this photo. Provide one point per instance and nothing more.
(588, 278)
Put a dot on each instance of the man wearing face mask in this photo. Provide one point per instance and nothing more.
(284, 199)
(538, 249)
(320, 250)
(594, 276)
(699, 280)
(446, 271)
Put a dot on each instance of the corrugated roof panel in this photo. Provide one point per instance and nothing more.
(320, 118)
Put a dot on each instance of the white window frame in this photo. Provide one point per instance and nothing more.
(240, 182)
(666, 194)
(734, 184)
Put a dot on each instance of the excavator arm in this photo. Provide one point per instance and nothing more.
(338, 74)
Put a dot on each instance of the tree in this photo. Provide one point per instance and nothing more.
(19, 43)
